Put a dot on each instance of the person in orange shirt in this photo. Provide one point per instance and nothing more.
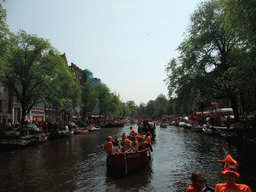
(132, 130)
(138, 138)
(123, 137)
(198, 182)
(148, 139)
(144, 143)
(108, 145)
(230, 173)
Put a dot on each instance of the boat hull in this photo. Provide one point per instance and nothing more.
(126, 162)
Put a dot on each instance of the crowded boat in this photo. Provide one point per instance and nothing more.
(129, 151)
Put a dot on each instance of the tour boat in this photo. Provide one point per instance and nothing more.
(125, 162)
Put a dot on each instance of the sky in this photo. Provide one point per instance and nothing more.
(125, 43)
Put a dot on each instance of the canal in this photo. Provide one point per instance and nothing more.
(78, 163)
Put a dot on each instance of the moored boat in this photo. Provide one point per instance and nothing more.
(187, 125)
(56, 134)
(163, 125)
(181, 124)
(128, 161)
(80, 132)
(94, 129)
(210, 130)
(8, 145)
(197, 128)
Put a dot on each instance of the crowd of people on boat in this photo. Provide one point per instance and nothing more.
(230, 173)
(132, 142)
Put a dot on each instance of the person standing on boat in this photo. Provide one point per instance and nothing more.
(138, 138)
(198, 182)
(108, 145)
(148, 139)
(230, 173)
(123, 137)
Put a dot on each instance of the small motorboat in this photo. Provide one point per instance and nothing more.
(163, 125)
(94, 129)
(181, 124)
(80, 132)
(210, 130)
(56, 134)
(197, 128)
(187, 125)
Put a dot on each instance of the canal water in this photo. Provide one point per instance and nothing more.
(78, 163)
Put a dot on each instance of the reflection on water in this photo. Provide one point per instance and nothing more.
(78, 163)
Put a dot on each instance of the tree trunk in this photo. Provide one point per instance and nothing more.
(232, 98)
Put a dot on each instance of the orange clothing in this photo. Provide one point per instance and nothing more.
(108, 146)
(191, 188)
(132, 131)
(138, 137)
(123, 137)
(148, 139)
(223, 187)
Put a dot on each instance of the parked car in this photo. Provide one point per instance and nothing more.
(9, 133)
(33, 129)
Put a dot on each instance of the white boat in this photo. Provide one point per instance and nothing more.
(94, 129)
(210, 130)
(181, 124)
(187, 125)
(197, 128)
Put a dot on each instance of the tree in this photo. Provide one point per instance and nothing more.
(240, 18)
(114, 104)
(141, 109)
(4, 31)
(103, 93)
(130, 108)
(150, 109)
(33, 70)
(160, 105)
(89, 98)
(207, 55)
(63, 92)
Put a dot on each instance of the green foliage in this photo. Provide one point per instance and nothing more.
(150, 109)
(208, 62)
(35, 72)
(4, 31)
(160, 105)
(89, 98)
(130, 108)
(141, 109)
(114, 105)
(103, 93)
